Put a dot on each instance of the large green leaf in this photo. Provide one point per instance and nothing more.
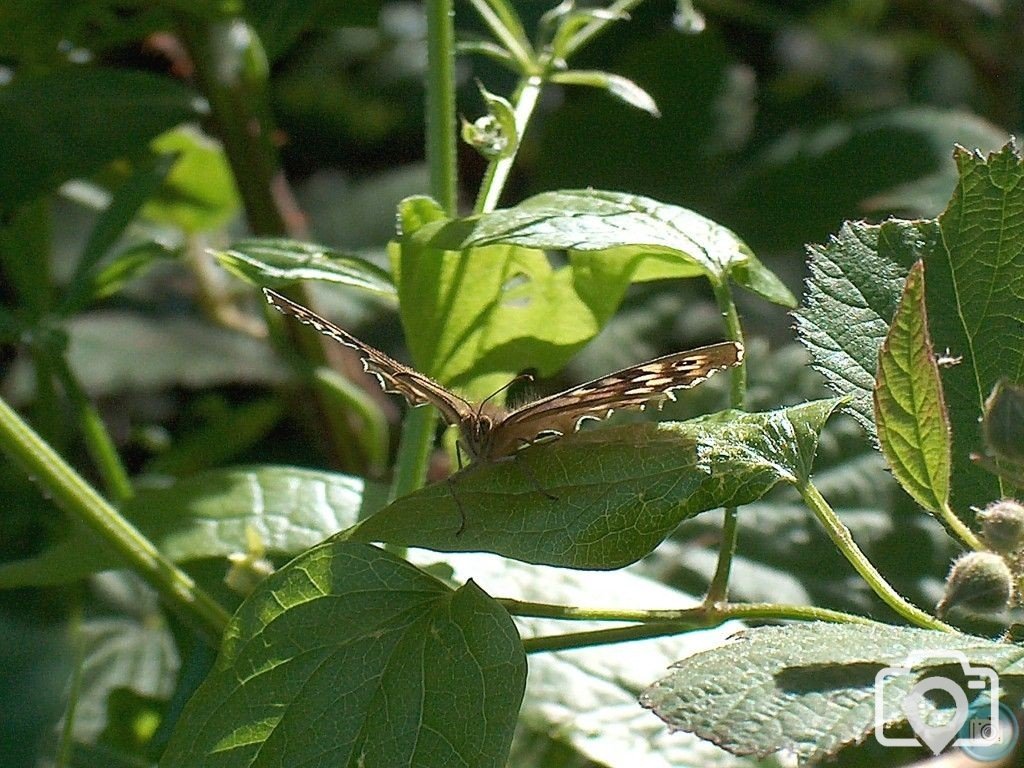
(810, 688)
(974, 288)
(475, 319)
(654, 240)
(617, 492)
(350, 656)
(74, 121)
(853, 291)
(910, 411)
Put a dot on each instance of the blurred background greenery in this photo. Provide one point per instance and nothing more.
(779, 120)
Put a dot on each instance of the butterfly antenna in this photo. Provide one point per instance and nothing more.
(499, 390)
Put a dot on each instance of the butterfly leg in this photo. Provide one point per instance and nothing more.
(458, 504)
(527, 471)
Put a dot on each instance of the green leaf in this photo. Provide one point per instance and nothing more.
(657, 240)
(584, 700)
(280, 23)
(278, 262)
(978, 269)
(853, 291)
(809, 688)
(476, 320)
(98, 115)
(354, 656)
(127, 645)
(127, 266)
(156, 352)
(910, 411)
(618, 492)
(125, 203)
(618, 86)
(199, 194)
(208, 516)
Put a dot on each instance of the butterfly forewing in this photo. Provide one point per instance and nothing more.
(630, 388)
(392, 375)
(493, 433)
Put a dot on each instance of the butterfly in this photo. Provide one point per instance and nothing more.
(491, 432)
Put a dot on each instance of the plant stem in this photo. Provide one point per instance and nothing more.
(842, 538)
(718, 589)
(698, 616)
(418, 428)
(495, 177)
(440, 105)
(80, 500)
(685, 621)
(98, 440)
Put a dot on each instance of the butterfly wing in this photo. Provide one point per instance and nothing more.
(630, 388)
(392, 375)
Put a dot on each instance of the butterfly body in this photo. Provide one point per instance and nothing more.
(490, 432)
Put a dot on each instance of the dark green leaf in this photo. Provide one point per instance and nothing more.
(211, 515)
(807, 688)
(854, 289)
(74, 121)
(352, 656)
(618, 492)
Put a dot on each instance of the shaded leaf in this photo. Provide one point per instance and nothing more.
(87, 108)
(618, 492)
(352, 656)
(910, 411)
(210, 515)
(807, 688)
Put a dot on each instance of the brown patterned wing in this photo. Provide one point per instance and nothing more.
(636, 387)
(392, 375)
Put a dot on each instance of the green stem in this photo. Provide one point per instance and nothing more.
(698, 616)
(691, 619)
(718, 589)
(80, 500)
(418, 428)
(495, 177)
(442, 132)
(842, 538)
(413, 452)
(97, 439)
(505, 27)
(957, 526)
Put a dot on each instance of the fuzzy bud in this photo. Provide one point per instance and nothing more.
(978, 581)
(1002, 525)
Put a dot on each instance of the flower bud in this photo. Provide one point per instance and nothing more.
(978, 581)
(1002, 525)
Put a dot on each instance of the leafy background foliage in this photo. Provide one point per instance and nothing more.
(778, 122)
